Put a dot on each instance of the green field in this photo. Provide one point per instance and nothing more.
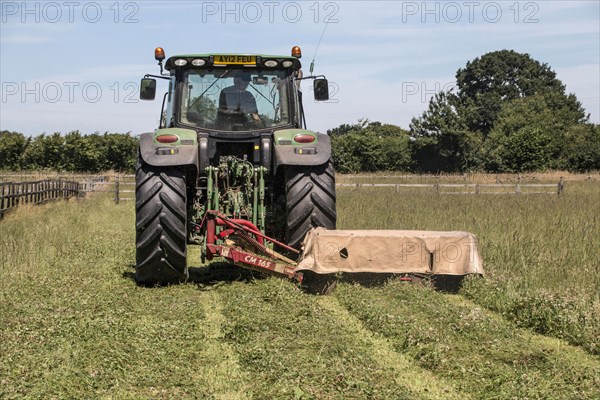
(73, 323)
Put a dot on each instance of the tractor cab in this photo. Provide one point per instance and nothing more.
(232, 92)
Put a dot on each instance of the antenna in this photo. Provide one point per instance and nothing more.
(312, 64)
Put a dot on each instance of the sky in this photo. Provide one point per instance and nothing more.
(76, 65)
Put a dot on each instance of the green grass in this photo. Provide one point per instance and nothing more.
(540, 251)
(478, 350)
(73, 324)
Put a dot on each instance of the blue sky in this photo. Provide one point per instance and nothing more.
(76, 65)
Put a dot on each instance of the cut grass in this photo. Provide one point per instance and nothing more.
(479, 351)
(301, 346)
(75, 325)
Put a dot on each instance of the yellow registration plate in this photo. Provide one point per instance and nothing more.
(234, 59)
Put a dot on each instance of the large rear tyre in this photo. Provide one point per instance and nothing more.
(310, 200)
(160, 225)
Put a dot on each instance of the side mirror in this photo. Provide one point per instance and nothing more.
(321, 89)
(148, 89)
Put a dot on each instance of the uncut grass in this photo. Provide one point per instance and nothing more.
(540, 252)
(484, 178)
(73, 324)
(296, 348)
(480, 351)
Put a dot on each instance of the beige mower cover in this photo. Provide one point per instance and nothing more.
(419, 252)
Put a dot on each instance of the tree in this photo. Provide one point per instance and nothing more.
(582, 152)
(12, 146)
(498, 95)
(72, 152)
(47, 152)
(347, 128)
(486, 83)
(442, 140)
(121, 151)
(93, 154)
(530, 124)
(369, 147)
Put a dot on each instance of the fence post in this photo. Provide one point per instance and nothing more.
(561, 186)
(117, 189)
(477, 188)
(518, 189)
(437, 188)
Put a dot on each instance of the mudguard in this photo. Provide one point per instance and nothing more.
(183, 151)
(289, 151)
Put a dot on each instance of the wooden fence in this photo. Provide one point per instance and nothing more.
(470, 188)
(123, 187)
(12, 194)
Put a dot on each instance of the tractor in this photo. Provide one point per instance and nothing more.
(233, 168)
(231, 148)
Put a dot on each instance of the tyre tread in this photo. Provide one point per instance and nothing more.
(160, 225)
(310, 200)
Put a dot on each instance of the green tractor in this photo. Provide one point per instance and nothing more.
(231, 167)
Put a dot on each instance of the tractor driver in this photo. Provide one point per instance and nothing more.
(236, 102)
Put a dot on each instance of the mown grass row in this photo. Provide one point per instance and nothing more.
(480, 352)
(540, 252)
(299, 346)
